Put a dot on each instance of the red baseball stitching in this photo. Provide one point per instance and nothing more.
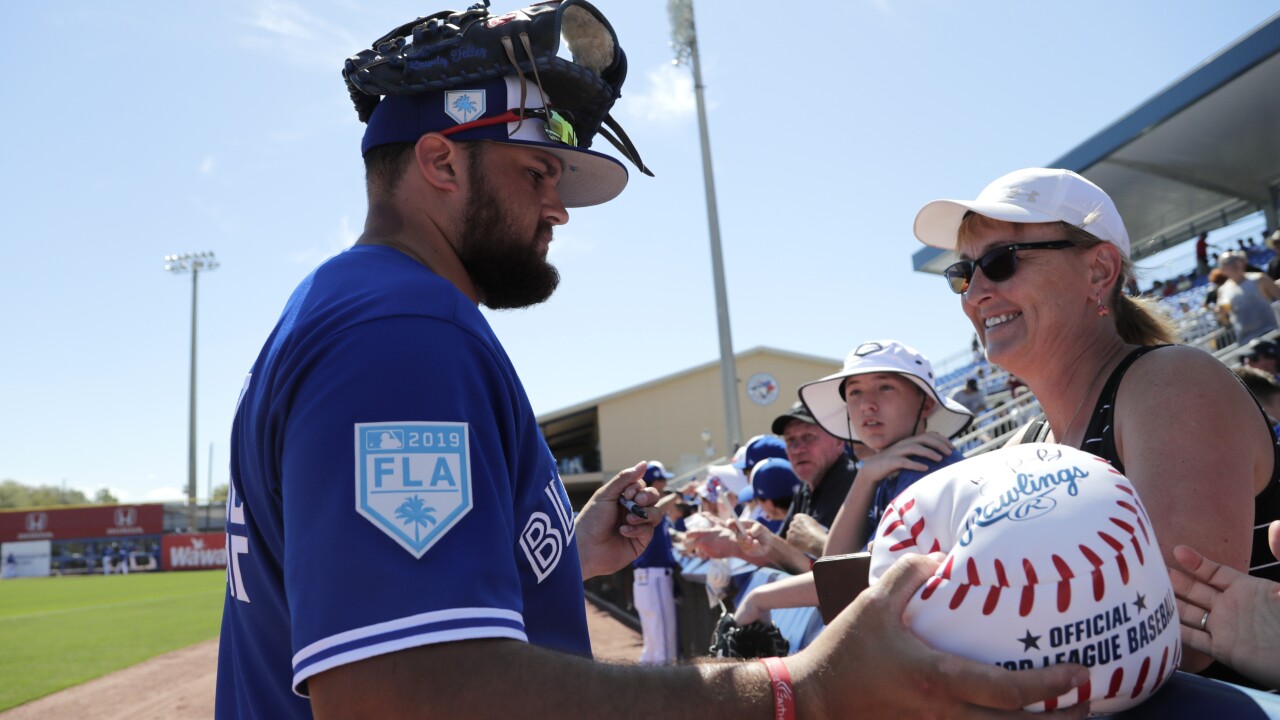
(1142, 677)
(1099, 583)
(1084, 691)
(1160, 676)
(1117, 677)
(915, 530)
(1064, 585)
(1028, 592)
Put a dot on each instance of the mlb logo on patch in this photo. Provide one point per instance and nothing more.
(464, 105)
(413, 479)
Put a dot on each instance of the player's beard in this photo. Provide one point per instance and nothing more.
(502, 260)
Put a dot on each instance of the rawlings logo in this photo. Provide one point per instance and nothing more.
(1026, 499)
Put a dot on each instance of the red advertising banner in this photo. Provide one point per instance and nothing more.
(81, 522)
(197, 551)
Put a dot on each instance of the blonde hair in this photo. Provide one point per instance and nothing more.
(1139, 321)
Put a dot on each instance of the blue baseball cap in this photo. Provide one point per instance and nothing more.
(656, 471)
(759, 448)
(773, 479)
(507, 110)
(747, 495)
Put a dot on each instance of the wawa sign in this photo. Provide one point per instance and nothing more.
(200, 551)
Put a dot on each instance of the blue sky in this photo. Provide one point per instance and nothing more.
(138, 129)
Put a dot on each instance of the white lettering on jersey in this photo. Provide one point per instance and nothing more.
(542, 544)
(237, 545)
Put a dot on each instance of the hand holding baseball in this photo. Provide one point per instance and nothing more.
(904, 677)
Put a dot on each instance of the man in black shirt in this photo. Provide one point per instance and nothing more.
(822, 462)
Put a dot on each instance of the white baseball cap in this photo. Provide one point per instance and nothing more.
(1032, 195)
(825, 401)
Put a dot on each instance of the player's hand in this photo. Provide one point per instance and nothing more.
(904, 455)
(892, 673)
(608, 536)
(1241, 615)
(806, 535)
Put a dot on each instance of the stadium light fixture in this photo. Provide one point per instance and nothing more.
(684, 42)
(194, 263)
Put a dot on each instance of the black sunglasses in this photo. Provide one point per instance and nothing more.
(997, 264)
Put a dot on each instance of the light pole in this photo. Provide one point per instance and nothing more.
(178, 264)
(684, 40)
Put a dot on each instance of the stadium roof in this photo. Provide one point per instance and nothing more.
(1197, 156)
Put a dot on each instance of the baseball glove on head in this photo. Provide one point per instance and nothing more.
(451, 49)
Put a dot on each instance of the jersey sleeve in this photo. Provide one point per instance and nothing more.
(397, 493)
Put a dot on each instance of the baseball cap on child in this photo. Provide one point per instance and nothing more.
(1033, 195)
(656, 471)
(825, 398)
(758, 448)
(495, 110)
(773, 479)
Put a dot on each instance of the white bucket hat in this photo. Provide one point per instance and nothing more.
(824, 400)
(1033, 195)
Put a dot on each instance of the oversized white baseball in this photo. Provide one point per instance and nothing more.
(1051, 558)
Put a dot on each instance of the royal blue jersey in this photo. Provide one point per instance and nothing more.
(390, 488)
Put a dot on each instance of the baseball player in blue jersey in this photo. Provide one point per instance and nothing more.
(399, 541)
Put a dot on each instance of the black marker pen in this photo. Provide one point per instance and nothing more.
(633, 508)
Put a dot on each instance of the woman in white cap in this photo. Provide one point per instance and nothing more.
(884, 397)
(1044, 255)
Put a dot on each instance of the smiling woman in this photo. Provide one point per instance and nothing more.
(1044, 294)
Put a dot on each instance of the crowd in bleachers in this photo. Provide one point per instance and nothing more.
(751, 537)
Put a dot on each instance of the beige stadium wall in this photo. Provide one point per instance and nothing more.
(665, 421)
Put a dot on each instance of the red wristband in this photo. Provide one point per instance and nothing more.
(784, 699)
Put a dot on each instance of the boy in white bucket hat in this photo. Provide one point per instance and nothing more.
(885, 397)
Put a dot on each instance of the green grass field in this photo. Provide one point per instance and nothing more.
(61, 631)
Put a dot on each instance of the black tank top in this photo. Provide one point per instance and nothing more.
(1100, 439)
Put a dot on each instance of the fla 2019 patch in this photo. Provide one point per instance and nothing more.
(413, 479)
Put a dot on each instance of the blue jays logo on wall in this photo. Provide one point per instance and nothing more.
(413, 479)
(762, 388)
(464, 105)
